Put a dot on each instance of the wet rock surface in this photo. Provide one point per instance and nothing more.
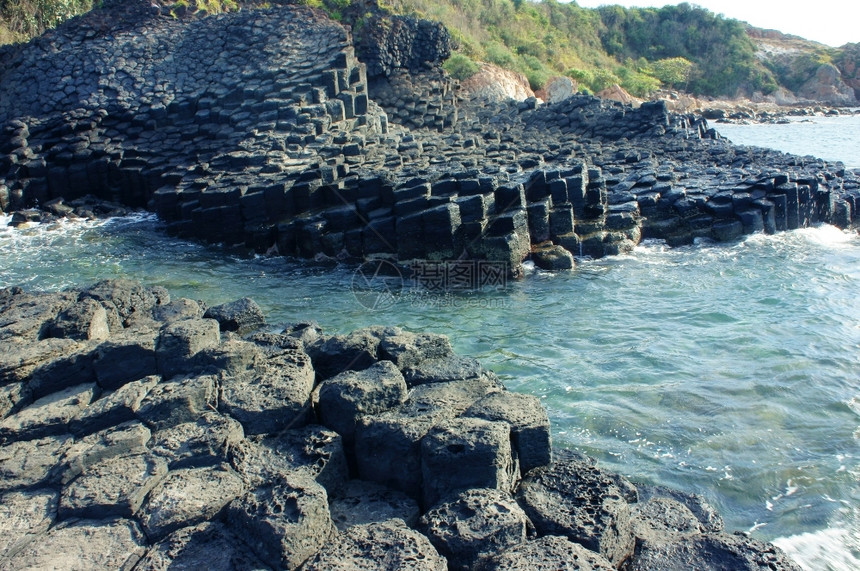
(157, 473)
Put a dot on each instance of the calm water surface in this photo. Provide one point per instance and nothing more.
(831, 138)
(730, 371)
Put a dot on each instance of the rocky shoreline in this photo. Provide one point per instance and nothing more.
(144, 432)
(263, 128)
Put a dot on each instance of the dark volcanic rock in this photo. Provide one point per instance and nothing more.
(529, 425)
(242, 316)
(84, 544)
(552, 258)
(125, 357)
(30, 463)
(82, 321)
(352, 394)
(464, 453)
(353, 352)
(205, 442)
(549, 553)
(180, 341)
(49, 415)
(208, 545)
(475, 524)
(390, 544)
(113, 487)
(180, 400)
(272, 398)
(365, 502)
(217, 467)
(284, 523)
(24, 516)
(313, 451)
(712, 551)
(113, 408)
(577, 500)
(188, 497)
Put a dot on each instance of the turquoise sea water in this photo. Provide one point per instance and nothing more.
(726, 370)
(831, 138)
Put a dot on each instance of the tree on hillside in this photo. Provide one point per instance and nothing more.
(673, 72)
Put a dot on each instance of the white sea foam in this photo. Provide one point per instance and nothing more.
(831, 549)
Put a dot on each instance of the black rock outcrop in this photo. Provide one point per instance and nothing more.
(254, 453)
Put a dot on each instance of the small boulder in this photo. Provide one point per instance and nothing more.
(177, 310)
(549, 553)
(211, 546)
(552, 258)
(463, 453)
(180, 341)
(575, 499)
(365, 502)
(88, 545)
(351, 394)
(242, 316)
(188, 497)
(391, 545)
(113, 487)
(474, 525)
(284, 523)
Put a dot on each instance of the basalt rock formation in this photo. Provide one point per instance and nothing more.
(262, 127)
(143, 432)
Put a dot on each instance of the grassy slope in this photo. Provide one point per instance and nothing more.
(642, 49)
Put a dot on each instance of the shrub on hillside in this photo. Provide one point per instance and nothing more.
(461, 67)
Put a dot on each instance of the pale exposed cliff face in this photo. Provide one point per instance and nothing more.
(827, 86)
(496, 84)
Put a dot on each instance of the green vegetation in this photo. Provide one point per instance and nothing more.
(723, 53)
(21, 20)
(461, 67)
(641, 49)
(793, 72)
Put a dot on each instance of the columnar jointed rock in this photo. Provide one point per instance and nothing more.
(205, 469)
(341, 159)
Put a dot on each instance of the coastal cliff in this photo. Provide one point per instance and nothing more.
(262, 128)
(139, 431)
